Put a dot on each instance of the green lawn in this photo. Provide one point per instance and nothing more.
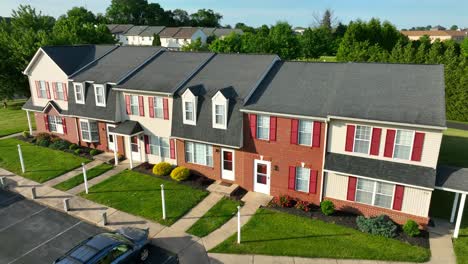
(219, 214)
(140, 194)
(274, 233)
(78, 179)
(13, 119)
(42, 164)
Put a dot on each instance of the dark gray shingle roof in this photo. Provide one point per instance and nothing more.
(30, 106)
(135, 31)
(128, 127)
(151, 30)
(166, 71)
(121, 28)
(381, 169)
(388, 92)
(169, 32)
(185, 32)
(90, 109)
(239, 72)
(452, 178)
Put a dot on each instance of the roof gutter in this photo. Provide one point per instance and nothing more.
(205, 142)
(385, 122)
(285, 115)
(141, 91)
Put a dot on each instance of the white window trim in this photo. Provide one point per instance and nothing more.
(137, 112)
(155, 99)
(188, 96)
(219, 100)
(96, 86)
(411, 145)
(370, 140)
(193, 154)
(75, 85)
(89, 131)
(40, 95)
(311, 133)
(58, 131)
(308, 181)
(374, 193)
(269, 125)
(159, 146)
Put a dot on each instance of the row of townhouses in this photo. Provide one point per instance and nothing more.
(364, 135)
(171, 37)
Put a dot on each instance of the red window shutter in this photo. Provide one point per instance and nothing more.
(141, 105)
(253, 125)
(272, 128)
(65, 92)
(64, 125)
(350, 130)
(375, 143)
(147, 146)
(294, 130)
(292, 178)
(48, 90)
(38, 90)
(389, 142)
(151, 106)
(398, 199)
(313, 181)
(46, 122)
(316, 134)
(352, 181)
(417, 146)
(166, 108)
(127, 102)
(172, 148)
(54, 89)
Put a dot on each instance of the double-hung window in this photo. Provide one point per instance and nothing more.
(219, 114)
(403, 144)
(100, 95)
(55, 124)
(305, 133)
(374, 193)
(79, 93)
(42, 89)
(134, 104)
(159, 146)
(158, 107)
(189, 114)
(263, 127)
(60, 91)
(302, 179)
(362, 139)
(89, 131)
(199, 153)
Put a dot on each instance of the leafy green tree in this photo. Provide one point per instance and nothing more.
(155, 15)
(283, 41)
(316, 42)
(454, 27)
(127, 11)
(464, 47)
(232, 43)
(244, 27)
(156, 40)
(206, 18)
(196, 45)
(181, 17)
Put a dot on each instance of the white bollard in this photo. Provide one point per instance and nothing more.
(33, 193)
(238, 225)
(163, 201)
(66, 204)
(85, 178)
(21, 158)
(2, 182)
(104, 218)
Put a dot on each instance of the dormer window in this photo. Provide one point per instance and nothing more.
(219, 106)
(100, 95)
(189, 108)
(79, 93)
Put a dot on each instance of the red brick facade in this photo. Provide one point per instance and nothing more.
(72, 133)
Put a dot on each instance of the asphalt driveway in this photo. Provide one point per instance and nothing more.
(32, 233)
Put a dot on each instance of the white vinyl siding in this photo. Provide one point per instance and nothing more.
(55, 124)
(305, 133)
(89, 131)
(362, 139)
(198, 153)
(302, 179)
(263, 127)
(158, 107)
(374, 193)
(403, 144)
(159, 146)
(60, 91)
(42, 89)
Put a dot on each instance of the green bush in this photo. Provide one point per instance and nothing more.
(94, 152)
(73, 147)
(26, 134)
(327, 207)
(77, 151)
(60, 144)
(43, 142)
(42, 136)
(180, 173)
(380, 225)
(162, 169)
(411, 228)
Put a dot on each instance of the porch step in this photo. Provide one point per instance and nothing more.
(105, 157)
(222, 188)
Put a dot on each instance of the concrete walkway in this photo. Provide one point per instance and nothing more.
(72, 173)
(440, 239)
(12, 135)
(80, 188)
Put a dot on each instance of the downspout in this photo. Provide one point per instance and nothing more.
(323, 160)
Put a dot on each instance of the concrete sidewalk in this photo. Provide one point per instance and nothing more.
(80, 188)
(72, 173)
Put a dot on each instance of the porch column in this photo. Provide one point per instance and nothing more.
(454, 207)
(116, 157)
(459, 216)
(130, 152)
(29, 123)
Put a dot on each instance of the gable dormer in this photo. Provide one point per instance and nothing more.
(220, 104)
(189, 107)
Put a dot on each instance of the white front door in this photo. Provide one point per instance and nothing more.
(227, 164)
(135, 146)
(111, 139)
(262, 170)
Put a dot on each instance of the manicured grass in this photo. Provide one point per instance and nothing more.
(140, 194)
(454, 148)
(274, 233)
(13, 119)
(78, 179)
(42, 164)
(219, 214)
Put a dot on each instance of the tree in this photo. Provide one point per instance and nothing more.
(232, 43)
(205, 18)
(156, 40)
(316, 42)
(454, 27)
(155, 15)
(181, 17)
(283, 41)
(127, 11)
(244, 27)
(327, 20)
(196, 45)
(464, 47)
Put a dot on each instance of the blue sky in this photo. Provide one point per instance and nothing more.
(402, 13)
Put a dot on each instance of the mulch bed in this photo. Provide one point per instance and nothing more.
(194, 181)
(85, 151)
(349, 220)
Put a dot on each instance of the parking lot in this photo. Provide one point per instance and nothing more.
(32, 233)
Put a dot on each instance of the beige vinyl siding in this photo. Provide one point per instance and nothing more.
(336, 186)
(430, 154)
(416, 201)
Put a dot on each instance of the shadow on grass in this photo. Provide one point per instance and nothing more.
(136, 190)
(292, 238)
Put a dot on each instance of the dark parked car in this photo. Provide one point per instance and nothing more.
(126, 245)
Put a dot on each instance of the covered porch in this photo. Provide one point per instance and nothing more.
(131, 132)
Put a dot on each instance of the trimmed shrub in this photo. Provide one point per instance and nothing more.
(42, 136)
(380, 225)
(302, 205)
(162, 169)
(60, 144)
(54, 139)
(77, 151)
(284, 201)
(43, 142)
(180, 173)
(327, 207)
(26, 134)
(73, 147)
(411, 228)
(94, 152)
